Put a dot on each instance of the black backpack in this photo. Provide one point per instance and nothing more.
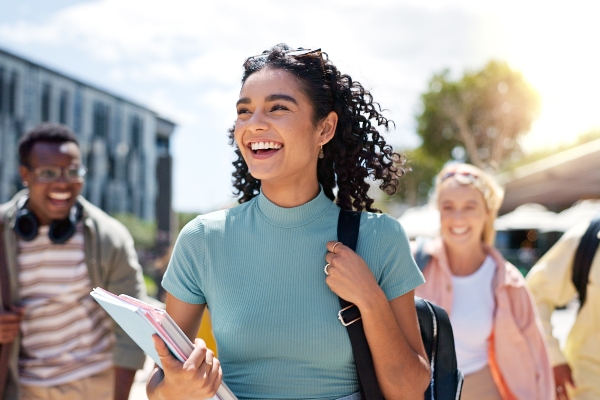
(584, 255)
(436, 332)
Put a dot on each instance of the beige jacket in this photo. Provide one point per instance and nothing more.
(551, 286)
(112, 264)
(518, 358)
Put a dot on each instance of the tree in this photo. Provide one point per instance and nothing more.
(143, 232)
(419, 170)
(484, 112)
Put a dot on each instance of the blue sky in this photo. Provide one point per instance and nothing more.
(183, 59)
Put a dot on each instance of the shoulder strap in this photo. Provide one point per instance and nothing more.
(5, 349)
(349, 315)
(421, 257)
(438, 340)
(583, 258)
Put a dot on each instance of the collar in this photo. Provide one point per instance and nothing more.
(506, 274)
(295, 216)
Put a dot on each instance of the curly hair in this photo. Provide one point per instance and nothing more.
(357, 150)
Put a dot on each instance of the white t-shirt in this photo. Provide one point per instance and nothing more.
(472, 316)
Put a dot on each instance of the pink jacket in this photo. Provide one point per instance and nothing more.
(518, 356)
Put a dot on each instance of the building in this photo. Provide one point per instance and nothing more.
(124, 145)
(557, 181)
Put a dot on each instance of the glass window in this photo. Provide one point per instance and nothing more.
(46, 92)
(1, 90)
(101, 119)
(63, 107)
(12, 94)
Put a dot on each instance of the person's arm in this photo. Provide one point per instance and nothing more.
(391, 327)
(197, 378)
(10, 323)
(123, 380)
(550, 284)
(122, 275)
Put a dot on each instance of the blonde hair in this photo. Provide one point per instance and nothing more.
(493, 194)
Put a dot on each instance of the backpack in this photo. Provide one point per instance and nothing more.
(584, 255)
(436, 333)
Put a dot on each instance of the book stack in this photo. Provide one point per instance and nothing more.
(141, 320)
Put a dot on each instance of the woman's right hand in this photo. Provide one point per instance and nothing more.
(198, 377)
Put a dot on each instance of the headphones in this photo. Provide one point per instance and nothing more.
(27, 225)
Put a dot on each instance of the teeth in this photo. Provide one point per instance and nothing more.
(265, 145)
(60, 196)
(459, 231)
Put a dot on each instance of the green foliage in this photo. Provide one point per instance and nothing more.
(418, 180)
(484, 112)
(151, 286)
(184, 217)
(143, 232)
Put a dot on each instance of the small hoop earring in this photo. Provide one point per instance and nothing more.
(321, 154)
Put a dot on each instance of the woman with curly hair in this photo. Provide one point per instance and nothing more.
(303, 130)
(499, 342)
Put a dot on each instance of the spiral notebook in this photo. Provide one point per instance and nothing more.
(141, 320)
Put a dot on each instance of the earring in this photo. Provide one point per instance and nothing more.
(321, 154)
(25, 183)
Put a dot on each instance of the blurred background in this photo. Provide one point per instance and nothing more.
(150, 89)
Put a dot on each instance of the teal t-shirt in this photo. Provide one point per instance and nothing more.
(259, 269)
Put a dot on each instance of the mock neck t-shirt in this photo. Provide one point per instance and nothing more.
(259, 269)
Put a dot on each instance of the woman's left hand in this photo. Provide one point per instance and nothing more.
(348, 275)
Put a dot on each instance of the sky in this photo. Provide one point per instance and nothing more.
(183, 59)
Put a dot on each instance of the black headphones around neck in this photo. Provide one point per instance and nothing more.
(27, 224)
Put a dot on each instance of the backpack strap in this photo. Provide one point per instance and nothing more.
(583, 259)
(349, 315)
(421, 257)
(5, 349)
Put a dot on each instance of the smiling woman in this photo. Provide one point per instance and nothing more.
(271, 269)
(497, 333)
(337, 113)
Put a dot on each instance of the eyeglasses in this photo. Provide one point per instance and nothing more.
(72, 173)
(293, 53)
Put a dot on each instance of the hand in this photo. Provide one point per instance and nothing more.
(562, 377)
(10, 323)
(349, 276)
(198, 377)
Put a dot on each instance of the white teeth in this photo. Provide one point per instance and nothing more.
(60, 196)
(459, 231)
(264, 145)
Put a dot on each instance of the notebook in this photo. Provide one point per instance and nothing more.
(141, 320)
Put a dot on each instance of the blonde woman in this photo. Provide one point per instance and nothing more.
(499, 342)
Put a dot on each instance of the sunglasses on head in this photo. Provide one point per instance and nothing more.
(292, 52)
(467, 175)
(71, 173)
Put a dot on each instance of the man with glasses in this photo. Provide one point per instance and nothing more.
(58, 247)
